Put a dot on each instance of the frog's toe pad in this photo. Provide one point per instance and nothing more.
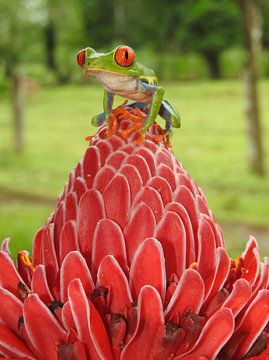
(98, 120)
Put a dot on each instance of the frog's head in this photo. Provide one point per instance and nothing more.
(120, 61)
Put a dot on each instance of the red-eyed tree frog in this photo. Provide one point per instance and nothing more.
(120, 74)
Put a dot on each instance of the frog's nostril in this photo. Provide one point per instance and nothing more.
(81, 57)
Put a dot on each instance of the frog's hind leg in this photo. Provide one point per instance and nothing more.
(170, 115)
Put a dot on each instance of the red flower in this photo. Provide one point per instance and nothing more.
(132, 265)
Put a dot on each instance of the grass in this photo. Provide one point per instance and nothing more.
(211, 145)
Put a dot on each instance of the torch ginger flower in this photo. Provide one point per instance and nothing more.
(132, 266)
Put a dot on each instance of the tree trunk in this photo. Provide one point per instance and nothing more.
(213, 63)
(252, 23)
(50, 45)
(119, 19)
(17, 94)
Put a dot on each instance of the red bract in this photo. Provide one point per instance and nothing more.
(132, 265)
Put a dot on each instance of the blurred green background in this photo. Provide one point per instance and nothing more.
(196, 48)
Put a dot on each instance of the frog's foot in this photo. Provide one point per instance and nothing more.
(162, 135)
(98, 119)
(167, 142)
(165, 138)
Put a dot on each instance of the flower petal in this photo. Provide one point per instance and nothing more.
(49, 255)
(152, 198)
(10, 310)
(186, 198)
(222, 269)
(103, 177)
(162, 186)
(186, 297)
(150, 326)
(151, 146)
(148, 156)
(251, 261)
(91, 164)
(182, 213)
(43, 329)
(9, 276)
(171, 233)
(5, 246)
(91, 209)
(250, 327)
(118, 200)
(74, 266)
(108, 240)
(105, 148)
(111, 276)
(141, 225)
(40, 285)
(79, 169)
(89, 325)
(72, 351)
(128, 148)
(217, 293)
(207, 254)
(164, 157)
(133, 177)
(67, 317)
(59, 220)
(115, 159)
(68, 239)
(71, 206)
(217, 330)
(148, 268)
(12, 347)
(185, 180)
(37, 247)
(80, 187)
(238, 297)
(70, 182)
(115, 141)
(141, 165)
(166, 173)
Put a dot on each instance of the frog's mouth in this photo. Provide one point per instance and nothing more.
(92, 72)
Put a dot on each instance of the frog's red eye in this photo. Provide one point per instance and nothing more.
(124, 56)
(81, 57)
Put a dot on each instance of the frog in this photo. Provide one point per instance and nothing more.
(121, 74)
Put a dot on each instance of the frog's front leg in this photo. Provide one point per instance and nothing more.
(170, 115)
(156, 100)
(99, 119)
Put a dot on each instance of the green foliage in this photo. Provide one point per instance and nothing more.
(209, 26)
(232, 63)
(18, 40)
(190, 39)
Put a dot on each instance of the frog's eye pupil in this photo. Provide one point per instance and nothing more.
(81, 57)
(124, 56)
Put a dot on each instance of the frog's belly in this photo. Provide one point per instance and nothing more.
(125, 86)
